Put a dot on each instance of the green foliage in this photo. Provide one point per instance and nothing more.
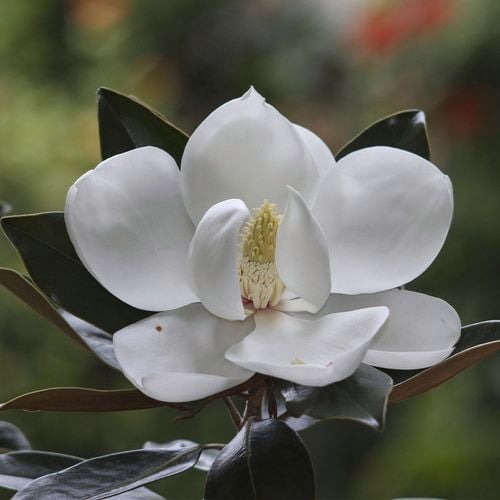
(113, 474)
(265, 460)
(19, 468)
(362, 398)
(49, 256)
(205, 460)
(404, 130)
(126, 123)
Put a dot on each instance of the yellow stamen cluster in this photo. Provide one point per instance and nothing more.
(259, 280)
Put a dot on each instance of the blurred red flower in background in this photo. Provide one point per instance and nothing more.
(385, 26)
(98, 15)
(466, 110)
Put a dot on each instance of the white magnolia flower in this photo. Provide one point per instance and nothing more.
(331, 240)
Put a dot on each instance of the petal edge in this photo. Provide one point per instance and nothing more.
(127, 222)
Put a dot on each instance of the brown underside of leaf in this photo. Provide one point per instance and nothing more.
(80, 399)
(83, 400)
(437, 374)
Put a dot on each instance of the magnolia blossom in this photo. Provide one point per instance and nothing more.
(262, 254)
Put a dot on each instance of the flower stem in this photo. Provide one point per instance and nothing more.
(233, 412)
(254, 401)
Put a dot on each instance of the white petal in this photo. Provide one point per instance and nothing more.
(178, 355)
(302, 257)
(385, 213)
(295, 306)
(322, 155)
(127, 222)
(421, 330)
(213, 259)
(245, 149)
(314, 353)
(288, 295)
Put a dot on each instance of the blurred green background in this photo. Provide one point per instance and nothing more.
(332, 66)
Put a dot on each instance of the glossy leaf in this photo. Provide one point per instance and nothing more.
(205, 460)
(404, 130)
(91, 337)
(301, 423)
(19, 468)
(49, 256)
(111, 475)
(476, 342)
(126, 123)
(361, 397)
(267, 461)
(97, 340)
(12, 438)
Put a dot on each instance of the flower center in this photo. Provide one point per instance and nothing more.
(259, 280)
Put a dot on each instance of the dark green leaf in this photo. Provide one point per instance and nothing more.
(476, 342)
(267, 461)
(301, 423)
(51, 260)
(126, 123)
(19, 468)
(404, 130)
(205, 460)
(111, 475)
(98, 341)
(12, 438)
(361, 397)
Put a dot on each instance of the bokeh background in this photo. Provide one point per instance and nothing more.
(333, 66)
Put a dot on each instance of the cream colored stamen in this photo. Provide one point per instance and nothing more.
(259, 280)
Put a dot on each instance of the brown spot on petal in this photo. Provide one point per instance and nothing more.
(158, 328)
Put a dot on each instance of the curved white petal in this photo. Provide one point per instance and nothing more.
(127, 222)
(314, 353)
(213, 259)
(385, 213)
(245, 149)
(320, 152)
(302, 257)
(421, 330)
(295, 305)
(288, 295)
(178, 356)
